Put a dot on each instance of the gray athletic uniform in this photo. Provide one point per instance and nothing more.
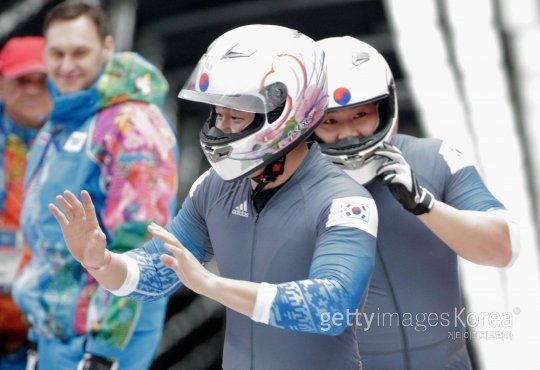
(315, 239)
(415, 272)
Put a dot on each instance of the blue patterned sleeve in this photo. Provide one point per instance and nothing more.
(338, 279)
(157, 280)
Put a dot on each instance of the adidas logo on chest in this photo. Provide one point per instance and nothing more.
(241, 209)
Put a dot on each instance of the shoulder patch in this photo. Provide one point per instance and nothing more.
(455, 158)
(359, 212)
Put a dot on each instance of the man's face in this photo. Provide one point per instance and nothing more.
(232, 121)
(350, 122)
(75, 54)
(26, 100)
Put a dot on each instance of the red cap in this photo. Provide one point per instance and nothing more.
(22, 55)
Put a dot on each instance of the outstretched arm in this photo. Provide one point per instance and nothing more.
(238, 295)
(327, 280)
(338, 278)
(86, 241)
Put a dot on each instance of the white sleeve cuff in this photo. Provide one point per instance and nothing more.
(132, 277)
(263, 304)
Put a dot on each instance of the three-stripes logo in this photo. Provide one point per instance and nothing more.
(241, 210)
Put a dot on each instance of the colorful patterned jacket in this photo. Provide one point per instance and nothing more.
(112, 140)
(15, 141)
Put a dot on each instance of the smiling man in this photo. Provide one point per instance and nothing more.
(106, 134)
(433, 207)
(75, 56)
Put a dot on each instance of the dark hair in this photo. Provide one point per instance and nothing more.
(70, 10)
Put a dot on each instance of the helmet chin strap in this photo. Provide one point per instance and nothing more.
(366, 172)
(270, 174)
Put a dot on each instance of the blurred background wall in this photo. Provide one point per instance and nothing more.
(468, 72)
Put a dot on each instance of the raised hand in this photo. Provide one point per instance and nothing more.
(190, 271)
(80, 228)
(398, 175)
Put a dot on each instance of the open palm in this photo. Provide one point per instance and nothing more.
(189, 270)
(84, 238)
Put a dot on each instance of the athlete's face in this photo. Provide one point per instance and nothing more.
(349, 122)
(232, 121)
(75, 53)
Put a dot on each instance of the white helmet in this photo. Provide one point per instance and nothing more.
(357, 75)
(275, 72)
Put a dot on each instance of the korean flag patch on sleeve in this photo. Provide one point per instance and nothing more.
(358, 212)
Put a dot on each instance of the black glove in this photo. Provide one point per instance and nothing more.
(95, 362)
(397, 174)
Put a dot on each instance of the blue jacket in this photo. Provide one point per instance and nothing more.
(113, 141)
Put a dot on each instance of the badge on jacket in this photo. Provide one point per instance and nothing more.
(75, 142)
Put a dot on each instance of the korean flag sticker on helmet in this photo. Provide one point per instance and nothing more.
(358, 212)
